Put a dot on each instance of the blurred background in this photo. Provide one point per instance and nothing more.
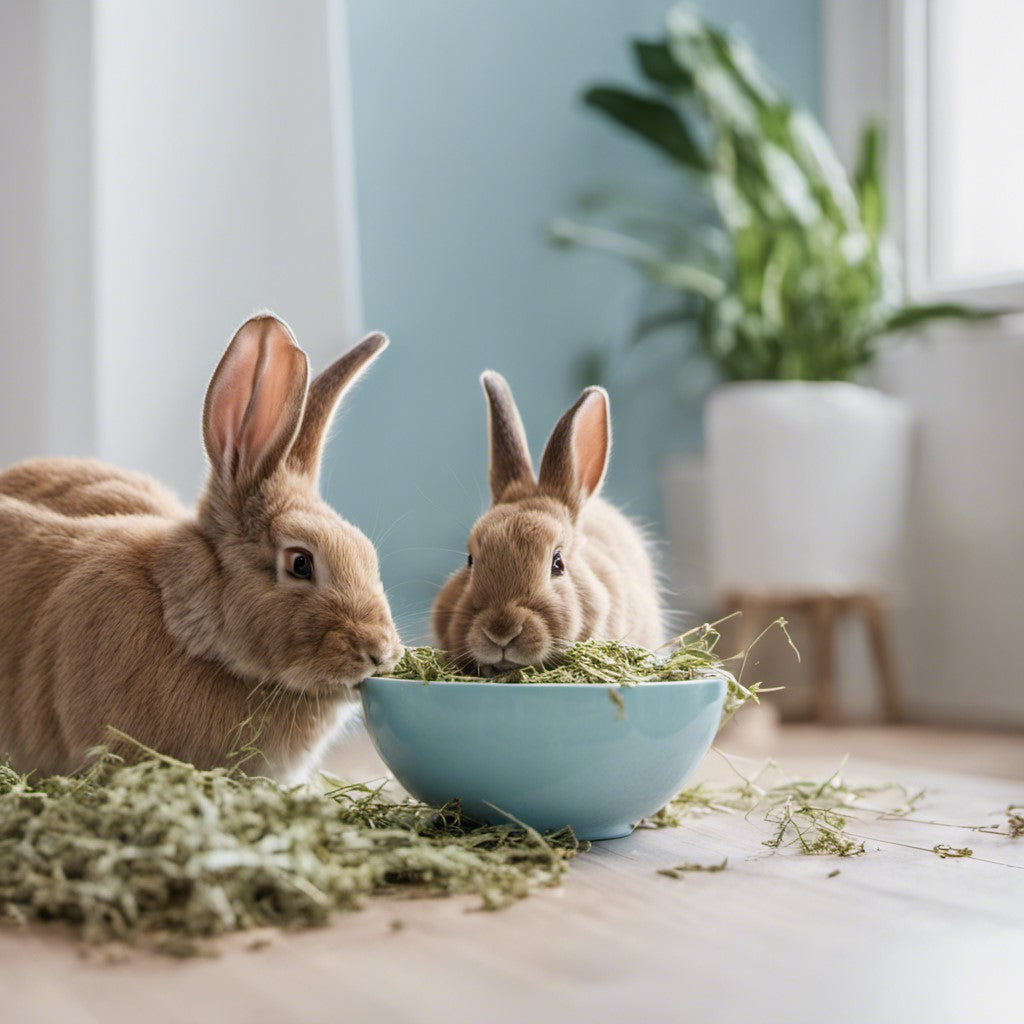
(170, 167)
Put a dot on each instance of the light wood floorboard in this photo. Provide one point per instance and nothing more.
(898, 935)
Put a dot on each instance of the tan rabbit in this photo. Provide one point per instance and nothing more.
(550, 563)
(87, 487)
(245, 623)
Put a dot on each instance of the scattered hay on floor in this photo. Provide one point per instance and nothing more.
(159, 851)
(809, 816)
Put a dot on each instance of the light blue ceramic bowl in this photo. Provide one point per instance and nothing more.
(545, 754)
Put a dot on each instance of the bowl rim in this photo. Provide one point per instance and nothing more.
(477, 684)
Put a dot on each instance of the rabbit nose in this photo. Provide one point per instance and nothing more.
(502, 638)
(383, 652)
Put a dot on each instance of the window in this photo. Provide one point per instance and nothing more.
(975, 142)
(947, 76)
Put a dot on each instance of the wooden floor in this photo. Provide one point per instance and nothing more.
(899, 934)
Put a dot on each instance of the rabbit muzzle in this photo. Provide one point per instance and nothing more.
(509, 638)
(355, 643)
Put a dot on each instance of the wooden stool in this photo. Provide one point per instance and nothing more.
(823, 610)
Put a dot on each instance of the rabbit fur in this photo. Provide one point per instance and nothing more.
(551, 562)
(195, 633)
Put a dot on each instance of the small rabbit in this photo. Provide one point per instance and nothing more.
(550, 563)
(240, 627)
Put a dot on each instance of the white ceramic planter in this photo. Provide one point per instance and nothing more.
(807, 486)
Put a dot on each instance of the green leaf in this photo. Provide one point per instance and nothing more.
(651, 119)
(656, 264)
(685, 277)
(816, 154)
(569, 232)
(914, 315)
(868, 178)
(662, 318)
(789, 183)
(744, 67)
(657, 65)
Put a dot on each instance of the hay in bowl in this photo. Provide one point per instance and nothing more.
(596, 743)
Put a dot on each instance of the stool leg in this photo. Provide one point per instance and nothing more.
(823, 617)
(885, 666)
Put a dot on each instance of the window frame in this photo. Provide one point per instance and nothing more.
(877, 65)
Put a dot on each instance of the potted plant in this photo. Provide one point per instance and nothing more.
(784, 278)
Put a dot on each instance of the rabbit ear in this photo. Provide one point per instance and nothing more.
(325, 393)
(576, 457)
(254, 402)
(509, 453)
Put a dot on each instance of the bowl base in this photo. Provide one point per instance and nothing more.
(614, 832)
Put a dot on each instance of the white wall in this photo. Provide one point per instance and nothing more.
(21, 256)
(45, 229)
(961, 637)
(215, 195)
(168, 167)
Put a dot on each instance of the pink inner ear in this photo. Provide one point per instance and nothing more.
(229, 396)
(253, 390)
(590, 443)
(274, 385)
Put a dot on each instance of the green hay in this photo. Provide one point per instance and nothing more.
(1015, 821)
(818, 831)
(811, 817)
(688, 657)
(161, 852)
(680, 870)
(156, 851)
(944, 851)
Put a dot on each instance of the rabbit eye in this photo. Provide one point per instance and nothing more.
(469, 561)
(557, 565)
(299, 563)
